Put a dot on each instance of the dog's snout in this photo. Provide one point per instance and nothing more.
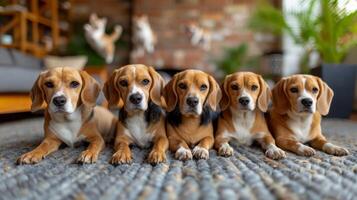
(136, 98)
(244, 101)
(59, 101)
(307, 102)
(192, 101)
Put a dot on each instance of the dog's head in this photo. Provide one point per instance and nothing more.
(140, 21)
(302, 94)
(64, 89)
(133, 86)
(245, 91)
(96, 22)
(191, 91)
(192, 28)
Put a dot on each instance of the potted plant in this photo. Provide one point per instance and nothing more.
(236, 58)
(324, 27)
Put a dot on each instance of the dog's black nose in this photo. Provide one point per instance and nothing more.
(135, 98)
(307, 102)
(244, 101)
(59, 101)
(192, 101)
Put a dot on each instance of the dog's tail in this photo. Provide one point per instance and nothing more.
(116, 33)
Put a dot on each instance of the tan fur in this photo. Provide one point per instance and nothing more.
(83, 97)
(285, 115)
(190, 133)
(118, 95)
(245, 128)
(101, 42)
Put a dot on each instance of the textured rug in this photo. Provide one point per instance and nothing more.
(246, 175)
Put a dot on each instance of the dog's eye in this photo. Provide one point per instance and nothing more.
(203, 87)
(235, 87)
(182, 86)
(123, 83)
(49, 84)
(294, 90)
(315, 90)
(254, 87)
(145, 81)
(74, 84)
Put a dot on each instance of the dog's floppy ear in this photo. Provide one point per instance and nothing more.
(226, 100)
(214, 94)
(156, 86)
(90, 89)
(324, 98)
(264, 95)
(37, 95)
(111, 91)
(280, 100)
(170, 95)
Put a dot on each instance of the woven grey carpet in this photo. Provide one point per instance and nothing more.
(246, 175)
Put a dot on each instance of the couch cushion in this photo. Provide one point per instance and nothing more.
(6, 57)
(16, 79)
(25, 60)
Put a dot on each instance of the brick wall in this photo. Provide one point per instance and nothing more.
(225, 19)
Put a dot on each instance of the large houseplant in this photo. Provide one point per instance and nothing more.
(324, 27)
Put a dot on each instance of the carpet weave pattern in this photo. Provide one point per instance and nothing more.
(246, 175)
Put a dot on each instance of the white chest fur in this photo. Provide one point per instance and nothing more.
(300, 126)
(66, 127)
(137, 130)
(243, 123)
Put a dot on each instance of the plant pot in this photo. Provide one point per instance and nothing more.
(342, 79)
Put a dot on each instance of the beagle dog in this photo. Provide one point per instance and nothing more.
(136, 89)
(191, 98)
(246, 97)
(71, 114)
(298, 103)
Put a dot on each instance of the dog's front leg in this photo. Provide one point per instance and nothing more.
(267, 143)
(47, 146)
(201, 151)
(180, 148)
(221, 142)
(96, 145)
(158, 153)
(320, 143)
(122, 153)
(294, 146)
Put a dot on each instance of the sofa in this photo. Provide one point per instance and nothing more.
(18, 71)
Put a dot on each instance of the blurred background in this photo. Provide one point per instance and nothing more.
(273, 37)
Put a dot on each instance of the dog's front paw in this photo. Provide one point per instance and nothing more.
(183, 154)
(225, 150)
(200, 153)
(304, 150)
(88, 157)
(274, 152)
(31, 157)
(156, 157)
(121, 157)
(334, 150)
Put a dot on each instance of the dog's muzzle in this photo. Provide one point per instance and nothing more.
(307, 104)
(244, 101)
(136, 99)
(192, 102)
(59, 101)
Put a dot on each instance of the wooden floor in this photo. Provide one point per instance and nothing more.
(14, 103)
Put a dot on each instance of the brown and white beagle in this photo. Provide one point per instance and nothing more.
(191, 98)
(71, 114)
(246, 97)
(298, 103)
(136, 89)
